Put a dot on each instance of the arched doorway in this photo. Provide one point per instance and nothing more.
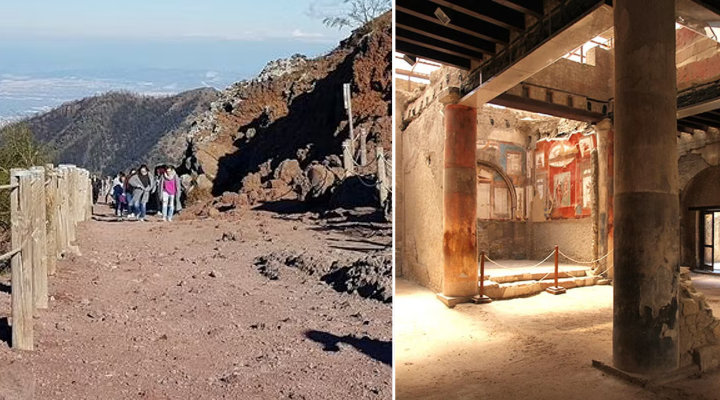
(700, 221)
(495, 169)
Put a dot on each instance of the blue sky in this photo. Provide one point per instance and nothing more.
(157, 19)
(53, 51)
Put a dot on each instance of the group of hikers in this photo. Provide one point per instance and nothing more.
(132, 192)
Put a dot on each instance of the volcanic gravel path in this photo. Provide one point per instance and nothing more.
(179, 310)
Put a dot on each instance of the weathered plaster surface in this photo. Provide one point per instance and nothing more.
(422, 169)
(573, 236)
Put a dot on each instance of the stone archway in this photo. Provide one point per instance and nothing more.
(511, 187)
(702, 190)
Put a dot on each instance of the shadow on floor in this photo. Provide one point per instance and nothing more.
(285, 207)
(103, 218)
(5, 288)
(379, 350)
(5, 331)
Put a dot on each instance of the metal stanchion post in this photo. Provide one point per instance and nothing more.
(557, 289)
(481, 298)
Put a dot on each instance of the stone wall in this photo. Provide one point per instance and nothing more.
(502, 239)
(699, 329)
(573, 236)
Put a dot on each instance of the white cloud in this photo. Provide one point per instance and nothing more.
(320, 9)
(297, 33)
(22, 96)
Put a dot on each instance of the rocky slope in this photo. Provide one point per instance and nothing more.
(279, 136)
(117, 130)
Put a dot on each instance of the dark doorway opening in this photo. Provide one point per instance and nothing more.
(709, 239)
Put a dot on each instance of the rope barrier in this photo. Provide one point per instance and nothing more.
(536, 265)
(606, 270)
(556, 288)
(585, 262)
(363, 166)
(370, 185)
(10, 254)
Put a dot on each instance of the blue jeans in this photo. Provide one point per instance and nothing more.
(141, 208)
(168, 205)
(129, 198)
(118, 204)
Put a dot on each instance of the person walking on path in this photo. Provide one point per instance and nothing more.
(118, 191)
(129, 193)
(170, 188)
(142, 185)
(96, 188)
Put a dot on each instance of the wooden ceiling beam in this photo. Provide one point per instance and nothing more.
(700, 119)
(431, 54)
(692, 124)
(431, 43)
(423, 14)
(444, 34)
(487, 11)
(532, 7)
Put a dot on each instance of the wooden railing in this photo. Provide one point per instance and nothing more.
(46, 204)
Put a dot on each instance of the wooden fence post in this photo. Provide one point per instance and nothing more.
(66, 214)
(62, 238)
(82, 192)
(89, 197)
(52, 210)
(22, 292)
(39, 237)
(68, 209)
(382, 176)
(72, 207)
(363, 147)
(347, 159)
(84, 195)
(75, 206)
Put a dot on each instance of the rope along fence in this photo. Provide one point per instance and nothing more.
(383, 182)
(43, 218)
(556, 289)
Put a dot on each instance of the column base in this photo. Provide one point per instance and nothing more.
(481, 299)
(556, 290)
(452, 301)
(647, 380)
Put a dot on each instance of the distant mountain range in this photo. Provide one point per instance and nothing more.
(293, 110)
(118, 130)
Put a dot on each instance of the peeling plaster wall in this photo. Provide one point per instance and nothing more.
(401, 99)
(422, 168)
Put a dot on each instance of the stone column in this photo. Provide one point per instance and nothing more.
(645, 315)
(460, 263)
(604, 131)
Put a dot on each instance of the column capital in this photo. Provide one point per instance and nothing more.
(449, 95)
(604, 125)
